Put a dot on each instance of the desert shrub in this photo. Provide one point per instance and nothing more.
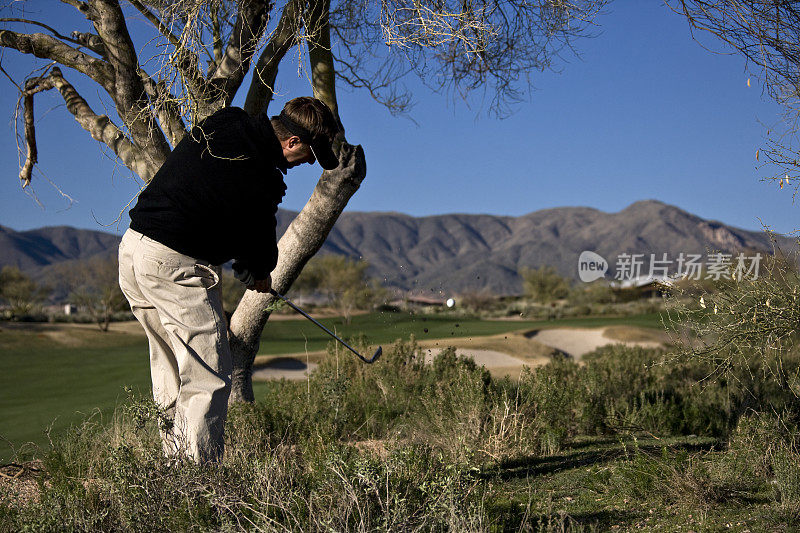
(404, 444)
(576, 307)
(445, 402)
(342, 282)
(670, 395)
(597, 292)
(746, 324)
(23, 295)
(619, 389)
(451, 410)
(760, 460)
(636, 389)
(766, 446)
(412, 488)
(675, 476)
(552, 397)
(544, 284)
(784, 461)
(456, 407)
(479, 301)
(113, 476)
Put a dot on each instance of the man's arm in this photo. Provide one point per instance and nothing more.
(259, 244)
(262, 285)
(246, 277)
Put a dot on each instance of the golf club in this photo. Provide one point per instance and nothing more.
(374, 357)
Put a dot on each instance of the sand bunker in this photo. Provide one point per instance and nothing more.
(284, 368)
(577, 342)
(487, 358)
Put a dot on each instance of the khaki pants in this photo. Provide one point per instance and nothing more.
(178, 301)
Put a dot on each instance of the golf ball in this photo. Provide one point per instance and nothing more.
(450, 302)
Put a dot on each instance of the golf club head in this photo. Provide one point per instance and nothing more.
(377, 354)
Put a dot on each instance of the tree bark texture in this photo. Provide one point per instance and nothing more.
(129, 93)
(303, 238)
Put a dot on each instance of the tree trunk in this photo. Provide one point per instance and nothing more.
(106, 319)
(303, 238)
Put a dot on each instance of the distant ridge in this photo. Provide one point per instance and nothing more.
(33, 249)
(458, 252)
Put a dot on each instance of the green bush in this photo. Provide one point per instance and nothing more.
(552, 398)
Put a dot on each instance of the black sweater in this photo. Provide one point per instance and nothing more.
(216, 195)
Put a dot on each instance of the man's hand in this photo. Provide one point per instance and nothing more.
(261, 285)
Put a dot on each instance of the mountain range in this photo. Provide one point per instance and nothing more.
(455, 253)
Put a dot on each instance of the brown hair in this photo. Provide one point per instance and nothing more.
(310, 113)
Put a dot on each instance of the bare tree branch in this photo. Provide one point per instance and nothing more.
(32, 156)
(266, 70)
(167, 109)
(183, 58)
(767, 34)
(81, 6)
(155, 21)
(47, 47)
(99, 127)
(128, 91)
(382, 86)
(216, 37)
(251, 21)
(460, 46)
(323, 73)
(41, 25)
(91, 41)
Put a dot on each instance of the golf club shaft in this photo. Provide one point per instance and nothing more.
(326, 330)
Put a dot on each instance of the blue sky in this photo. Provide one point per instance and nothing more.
(644, 113)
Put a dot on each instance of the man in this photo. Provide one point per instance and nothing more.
(214, 199)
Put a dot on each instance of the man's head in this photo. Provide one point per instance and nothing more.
(306, 128)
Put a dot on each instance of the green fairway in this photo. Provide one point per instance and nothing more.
(47, 385)
(54, 376)
(281, 337)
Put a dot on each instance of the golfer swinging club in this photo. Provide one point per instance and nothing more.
(214, 199)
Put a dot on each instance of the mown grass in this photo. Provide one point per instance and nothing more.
(617, 443)
(49, 387)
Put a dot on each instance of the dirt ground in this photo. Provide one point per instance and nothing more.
(18, 482)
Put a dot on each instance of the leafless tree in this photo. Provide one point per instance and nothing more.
(767, 34)
(199, 52)
(93, 286)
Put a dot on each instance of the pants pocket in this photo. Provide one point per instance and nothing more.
(209, 275)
